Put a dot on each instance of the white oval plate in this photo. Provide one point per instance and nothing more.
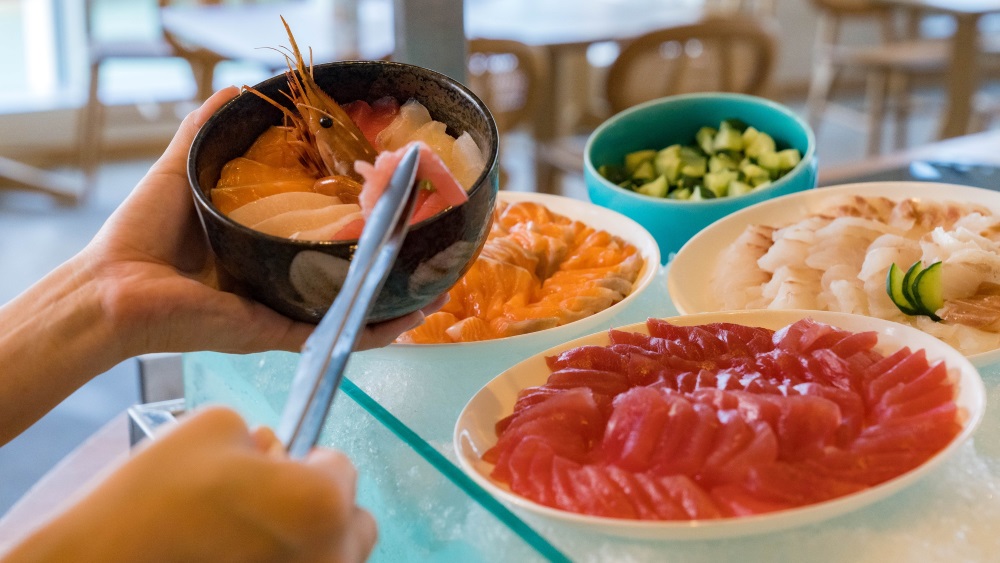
(690, 273)
(474, 431)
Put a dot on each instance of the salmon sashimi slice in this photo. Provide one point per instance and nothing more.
(275, 147)
(232, 198)
(432, 331)
(244, 171)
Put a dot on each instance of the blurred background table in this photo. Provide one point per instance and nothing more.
(968, 159)
(963, 70)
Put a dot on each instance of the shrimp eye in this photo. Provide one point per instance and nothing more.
(325, 122)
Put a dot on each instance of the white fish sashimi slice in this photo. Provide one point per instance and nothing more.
(328, 232)
(274, 205)
(412, 115)
(468, 160)
(291, 222)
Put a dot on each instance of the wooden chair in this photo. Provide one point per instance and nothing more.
(890, 65)
(100, 51)
(723, 52)
(506, 75)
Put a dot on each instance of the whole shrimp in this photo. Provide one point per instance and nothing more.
(327, 140)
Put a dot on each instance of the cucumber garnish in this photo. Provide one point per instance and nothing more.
(894, 287)
(918, 291)
(927, 290)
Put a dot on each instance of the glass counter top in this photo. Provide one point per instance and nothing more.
(395, 417)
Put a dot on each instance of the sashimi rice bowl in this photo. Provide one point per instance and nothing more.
(286, 173)
(719, 424)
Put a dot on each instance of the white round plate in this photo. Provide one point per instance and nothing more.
(474, 430)
(690, 272)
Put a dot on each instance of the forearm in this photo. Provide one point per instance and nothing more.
(54, 338)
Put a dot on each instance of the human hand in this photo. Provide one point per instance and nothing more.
(210, 490)
(148, 282)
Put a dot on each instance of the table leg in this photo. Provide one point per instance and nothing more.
(546, 120)
(962, 77)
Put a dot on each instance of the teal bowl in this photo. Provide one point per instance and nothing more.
(676, 119)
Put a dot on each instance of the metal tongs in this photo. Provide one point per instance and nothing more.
(325, 354)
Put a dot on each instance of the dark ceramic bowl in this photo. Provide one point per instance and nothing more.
(301, 278)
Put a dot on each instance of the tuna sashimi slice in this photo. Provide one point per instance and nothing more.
(444, 190)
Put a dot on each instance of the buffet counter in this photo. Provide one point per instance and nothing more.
(396, 413)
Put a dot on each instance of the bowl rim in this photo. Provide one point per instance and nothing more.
(808, 158)
(205, 203)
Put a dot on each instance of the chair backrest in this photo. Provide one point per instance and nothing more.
(719, 53)
(506, 75)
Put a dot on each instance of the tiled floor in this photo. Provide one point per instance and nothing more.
(36, 235)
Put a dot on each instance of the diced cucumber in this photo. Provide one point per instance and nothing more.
(654, 188)
(705, 137)
(788, 159)
(737, 187)
(719, 181)
(761, 144)
(644, 172)
(701, 192)
(732, 159)
(734, 123)
(680, 193)
(634, 159)
(722, 161)
(771, 162)
(727, 139)
(695, 169)
(668, 163)
(894, 287)
(927, 291)
(755, 175)
(614, 173)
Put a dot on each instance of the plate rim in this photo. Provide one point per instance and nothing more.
(714, 238)
(971, 387)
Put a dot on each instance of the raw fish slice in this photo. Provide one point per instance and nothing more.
(275, 147)
(291, 222)
(431, 331)
(232, 198)
(970, 260)
(242, 171)
(793, 288)
(332, 231)
(467, 160)
(412, 115)
(373, 118)
(270, 206)
(445, 191)
(737, 274)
